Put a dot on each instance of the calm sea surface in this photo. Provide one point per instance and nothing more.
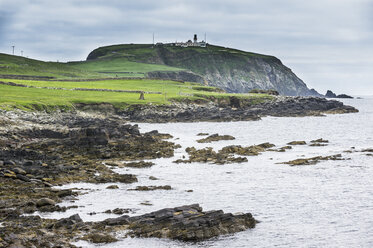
(329, 204)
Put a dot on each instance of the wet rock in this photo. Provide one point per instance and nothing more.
(313, 160)
(151, 188)
(68, 222)
(9, 162)
(321, 140)
(9, 174)
(215, 137)
(207, 155)
(23, 178)
(141, 164)
(122, 220)
(18, 170)
(153, 178)
(65, 192)
(297, 143)
(367, 150)
(202, 134)
(28, 163)
(45, 202)
(115, 177)
(146, 203)
(158, 135)
(187, 223)
(112, 187)
(121, 211)
(318, 144)
(247, 151)
(98, 238)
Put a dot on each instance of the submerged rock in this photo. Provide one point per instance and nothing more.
(140, 164)
(313, 160)
(151, 188)
(321, 140)
(293, 143)
(187, 223)
(207, 155)
(215, 137)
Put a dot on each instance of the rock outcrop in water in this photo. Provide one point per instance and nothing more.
(331, 94)
(187, 223)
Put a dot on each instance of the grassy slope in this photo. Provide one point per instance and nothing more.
(197, 59)
(35, 98)
(104, 68)
(16, 65)
(120, 67)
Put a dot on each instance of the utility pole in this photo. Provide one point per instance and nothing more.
(13, 49)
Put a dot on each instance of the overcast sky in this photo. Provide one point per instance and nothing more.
(327, 43)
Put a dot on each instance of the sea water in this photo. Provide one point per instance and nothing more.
(329, 204)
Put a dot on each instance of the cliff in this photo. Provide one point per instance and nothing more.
(229, 69)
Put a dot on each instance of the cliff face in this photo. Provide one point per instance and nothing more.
(232, 70)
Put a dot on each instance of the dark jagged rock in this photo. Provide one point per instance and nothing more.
(331, 94)
(344, 96)
(68, 222)
(187, 223)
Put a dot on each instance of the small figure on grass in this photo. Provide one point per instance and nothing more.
(142, 95)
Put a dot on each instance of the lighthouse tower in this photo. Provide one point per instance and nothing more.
(195, 38)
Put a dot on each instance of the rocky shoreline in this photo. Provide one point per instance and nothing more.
(41, 150)
(235, 109)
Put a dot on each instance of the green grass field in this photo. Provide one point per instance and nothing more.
(48, 99)
(102, 74)
(119, 66)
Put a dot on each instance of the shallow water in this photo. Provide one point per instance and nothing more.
(329, 204)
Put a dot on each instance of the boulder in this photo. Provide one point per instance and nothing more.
(45, 202)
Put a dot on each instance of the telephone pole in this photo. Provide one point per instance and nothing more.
(13, 49)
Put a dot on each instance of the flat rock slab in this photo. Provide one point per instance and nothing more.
(187, 223)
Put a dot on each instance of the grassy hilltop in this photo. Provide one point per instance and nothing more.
(229, 69)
